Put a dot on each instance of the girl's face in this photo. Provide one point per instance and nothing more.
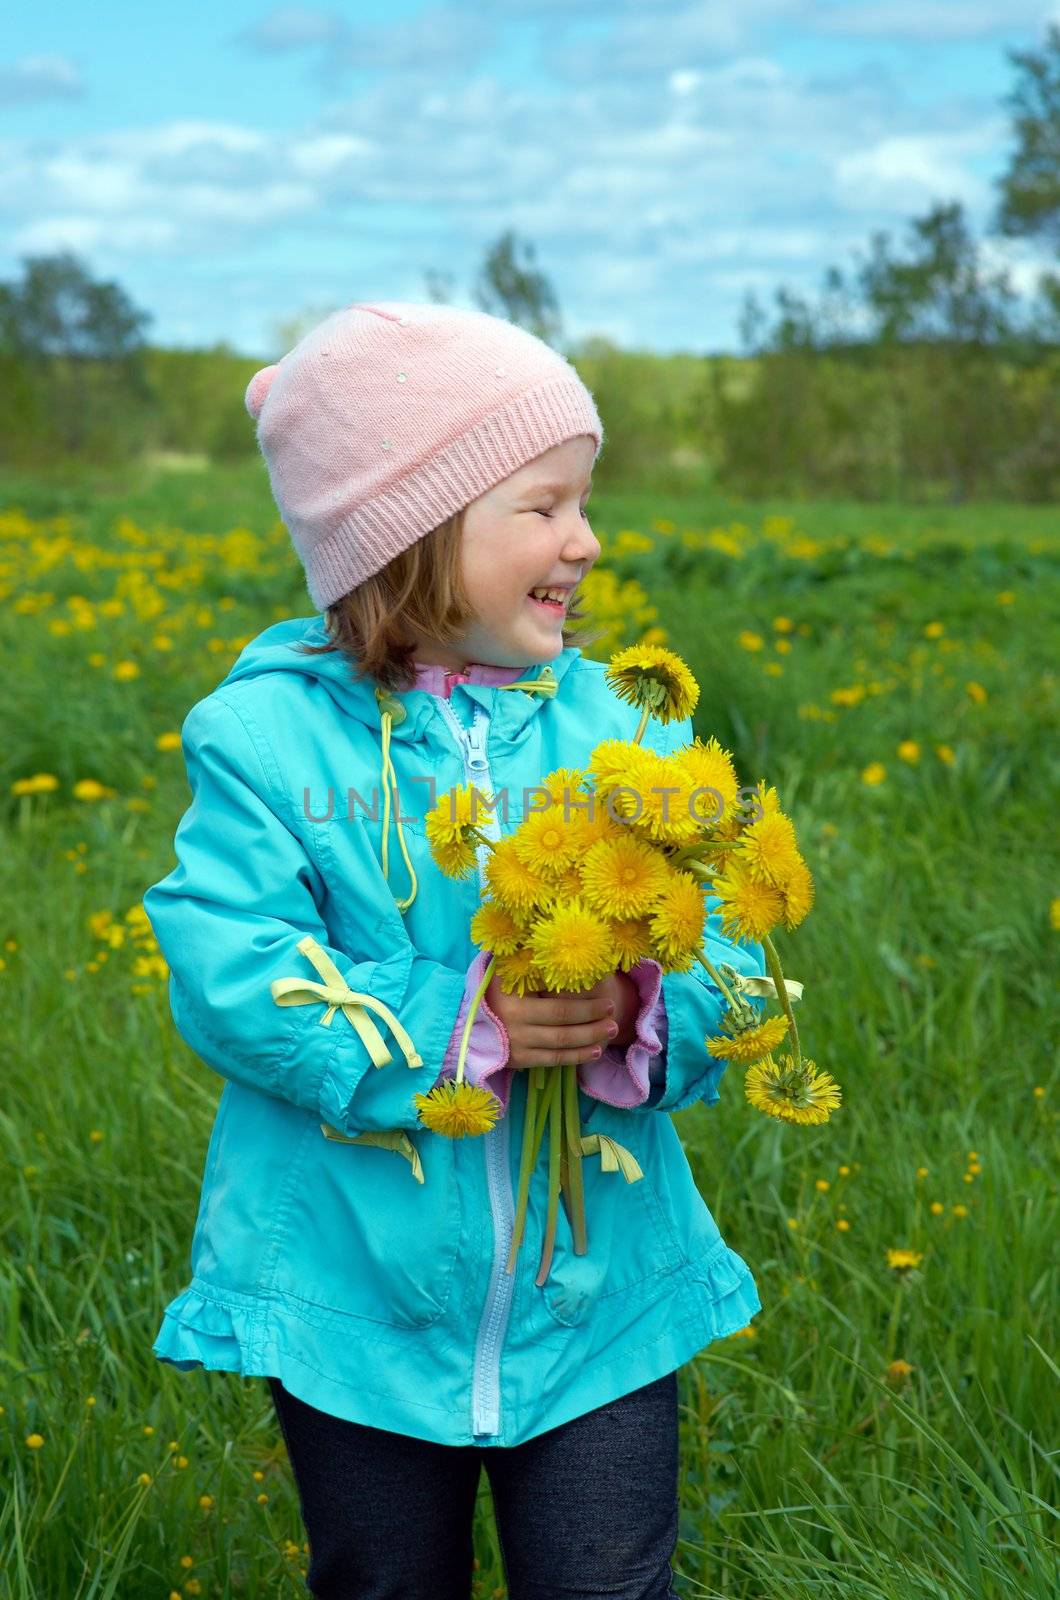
(529, 532)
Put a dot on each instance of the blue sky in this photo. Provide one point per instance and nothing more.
(236, 166)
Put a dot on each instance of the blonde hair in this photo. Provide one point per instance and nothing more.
(421, 588)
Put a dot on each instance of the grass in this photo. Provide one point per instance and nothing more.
(892, 672)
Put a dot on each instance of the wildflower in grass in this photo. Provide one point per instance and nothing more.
(1039, 1091)
(959, 1210)
(976, 692)
(822, 1185)
(934, 630)
(35, 1441)
(1005, 597)
(145, 1479)
(903, 1261)
(92, 789)
(783, 624)
(750, 1045)
(909, 750)
(794, 1093)
(656, 680)
(1054, 913)
(842, 1225)
(898, 1371)
(168, 741)
(124, 671)
(39, 783)
(936, 1208)
(874, 773)
(749, 640)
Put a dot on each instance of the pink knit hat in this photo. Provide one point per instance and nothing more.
(387, 418)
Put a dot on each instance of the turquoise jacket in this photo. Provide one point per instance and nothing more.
(325, 1262)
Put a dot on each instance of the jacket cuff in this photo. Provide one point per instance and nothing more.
(626, 1078)
(486, 1062)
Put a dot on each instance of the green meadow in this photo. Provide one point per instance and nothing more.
(888, 1424)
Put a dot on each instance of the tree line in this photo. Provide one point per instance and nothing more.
(917, 373)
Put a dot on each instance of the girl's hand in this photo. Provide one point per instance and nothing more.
(551, 1028)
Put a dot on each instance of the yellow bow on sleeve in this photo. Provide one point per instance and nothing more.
(337, 995)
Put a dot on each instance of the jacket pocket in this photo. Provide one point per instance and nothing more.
(366, 1239)
(631, 1243)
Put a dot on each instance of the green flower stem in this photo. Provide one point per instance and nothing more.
(555, 1135)
(642, 724)
(572, 1145)
(776, 972)
(479, 837)
(718, 979)
(526, 1161)
(466, 1035)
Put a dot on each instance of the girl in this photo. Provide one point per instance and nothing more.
(432, 467)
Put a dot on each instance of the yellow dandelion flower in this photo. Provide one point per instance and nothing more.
(708, 766)
(908, 750)
(959, 1210)
(543, 842)
(677, 922)
(447, 826)
(609, 763)
(519, 973)
(456, 1110)
(656, 800)
(455, 857)
(631, 941)
(898, 1371)
(904, 1260)
(35, 1440)
(747, 639)
(511, 881)
(748, 909)
(656, 679)
(802, 1095)
(623, 877)
(566, 782)
(1054, 913)
(874, 773)
(946, 754)
(797, 893)
(572, 946)
(767, 850)
(40, 783)
(493, 927)
(976, 692)
(92, 789)
(752, 1045)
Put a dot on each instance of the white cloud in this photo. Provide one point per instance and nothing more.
(40, 78)
(902, 171)
(926, 19)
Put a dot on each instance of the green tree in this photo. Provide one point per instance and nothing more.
(517, 290)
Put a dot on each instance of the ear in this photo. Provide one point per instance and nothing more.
(258, 388)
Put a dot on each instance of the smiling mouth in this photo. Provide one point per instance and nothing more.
(552, 598)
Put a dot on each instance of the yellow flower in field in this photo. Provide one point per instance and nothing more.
(631, 941)
(903, 1261)
(945, 753)
(623, 877)
(709, 766)
(753, 1044)
(40, 783)
(748, 909)
(653, 677)
(959, 1211)
(457, 1109)
(572, 946)
(91, 789)
(976, 691)
(124, 670)
(1054, 913)
(34, 1440)
(168, 741)
(909, 750)
(781, 1090)
(519, 973)
(747, 640)
(934, 630)
(937, 1208)
(677, 922)
(874, 773)
(512, 882)
(783, 624)
(898, 1371)
(1005, 597)
(544, 844)
(494, 928)
(767, 850)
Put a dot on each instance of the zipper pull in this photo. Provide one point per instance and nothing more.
(476, 747)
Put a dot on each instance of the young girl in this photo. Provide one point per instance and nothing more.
(432, 466)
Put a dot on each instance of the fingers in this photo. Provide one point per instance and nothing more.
(526, 1058)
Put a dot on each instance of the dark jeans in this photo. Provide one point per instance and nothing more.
(587, 1509)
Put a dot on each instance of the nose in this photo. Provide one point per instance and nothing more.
(582, 543)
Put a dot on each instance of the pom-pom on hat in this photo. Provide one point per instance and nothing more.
(386, 418)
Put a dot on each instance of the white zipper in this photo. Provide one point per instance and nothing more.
(489, 1340)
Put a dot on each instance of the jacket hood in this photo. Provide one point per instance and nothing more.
(277, 649)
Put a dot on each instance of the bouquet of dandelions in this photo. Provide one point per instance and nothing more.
(605, 874)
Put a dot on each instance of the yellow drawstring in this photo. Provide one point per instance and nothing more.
(391, 713)
(338, 996)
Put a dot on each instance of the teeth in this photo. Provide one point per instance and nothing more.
(549, 594)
